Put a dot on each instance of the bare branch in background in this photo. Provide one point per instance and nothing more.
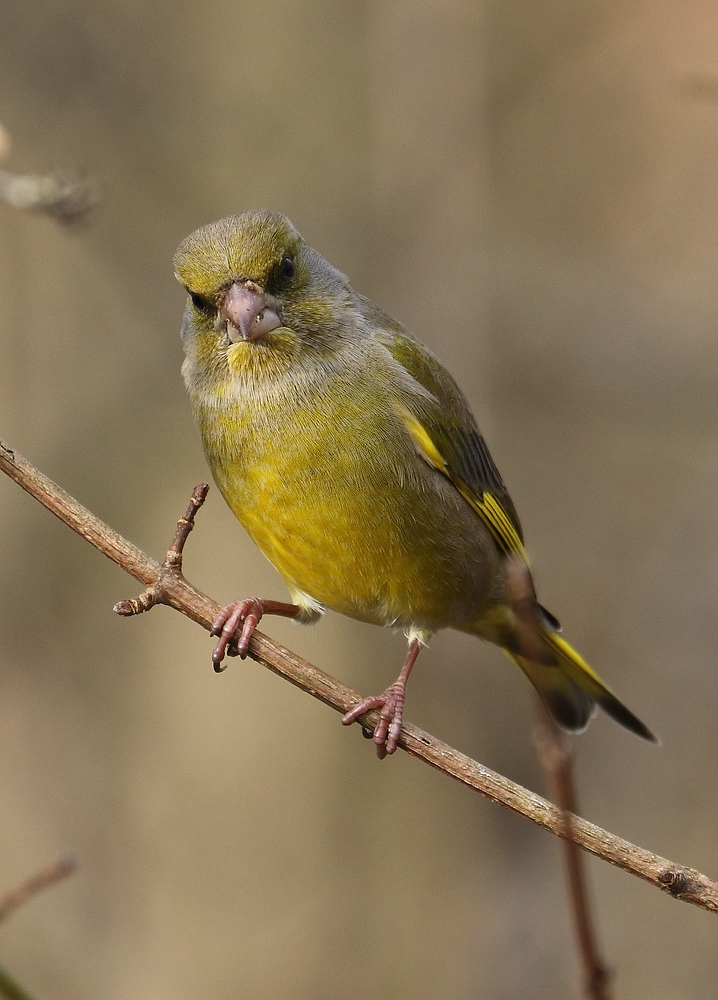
(4, 143)
(680, 882)
(9, 988)
(41, 880)
(557, 767)
(699, 83)
(67, 195)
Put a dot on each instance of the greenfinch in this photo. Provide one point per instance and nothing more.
(351, 457)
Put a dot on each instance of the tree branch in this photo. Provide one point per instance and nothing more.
(167, 582)
(557, 767)
(9, 987)
(40, 880)
(67, 195)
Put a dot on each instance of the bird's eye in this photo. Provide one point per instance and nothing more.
(200, 303)
(287, 267)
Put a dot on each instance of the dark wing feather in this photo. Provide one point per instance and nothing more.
(447, 436)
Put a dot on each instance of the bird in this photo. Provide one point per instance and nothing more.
(352, 459)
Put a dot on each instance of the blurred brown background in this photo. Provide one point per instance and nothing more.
(532, 187)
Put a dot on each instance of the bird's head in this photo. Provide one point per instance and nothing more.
(252, 280)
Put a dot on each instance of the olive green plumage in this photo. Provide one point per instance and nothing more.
(351, 457)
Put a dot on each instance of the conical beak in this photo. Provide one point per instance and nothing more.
(248, 316)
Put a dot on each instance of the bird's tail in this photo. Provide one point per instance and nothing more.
(570, 689)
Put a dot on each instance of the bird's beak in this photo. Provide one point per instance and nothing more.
(248, 316)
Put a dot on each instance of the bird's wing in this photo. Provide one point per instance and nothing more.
(446, 436)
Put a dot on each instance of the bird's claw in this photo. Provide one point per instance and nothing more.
(235, 625)
(388, 728)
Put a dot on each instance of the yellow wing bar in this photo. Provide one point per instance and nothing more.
(491, 511)
(487, 506)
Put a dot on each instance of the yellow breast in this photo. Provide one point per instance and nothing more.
(325, 479)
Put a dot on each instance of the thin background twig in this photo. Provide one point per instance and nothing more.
(10, 901)
(66, 195)
(557, 766)
(40, 880)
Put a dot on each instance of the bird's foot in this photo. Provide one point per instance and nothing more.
(388, 728)
(235, 625)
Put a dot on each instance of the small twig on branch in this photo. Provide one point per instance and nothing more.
(680, 882)
(171, 568)
(556, 763)
(41, 880)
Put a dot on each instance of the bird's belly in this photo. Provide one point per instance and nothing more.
(345, 530)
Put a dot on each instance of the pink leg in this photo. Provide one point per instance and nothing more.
(388, 728)
(236, 623)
